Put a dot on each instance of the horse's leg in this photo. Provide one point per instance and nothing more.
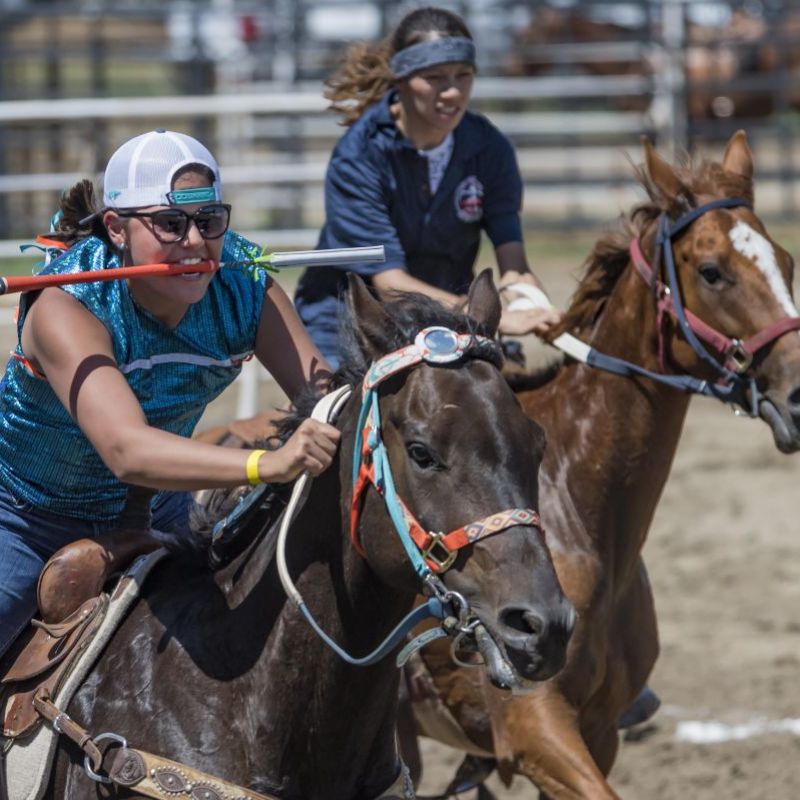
(548, 748)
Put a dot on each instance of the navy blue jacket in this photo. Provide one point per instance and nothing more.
(377, 192)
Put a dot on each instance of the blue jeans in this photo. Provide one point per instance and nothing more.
(29, 536)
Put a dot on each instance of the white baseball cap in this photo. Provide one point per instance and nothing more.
(141, 172)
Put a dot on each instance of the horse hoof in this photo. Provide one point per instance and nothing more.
(643, 707)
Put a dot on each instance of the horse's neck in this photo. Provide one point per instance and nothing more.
(611, 439)
(332, 725)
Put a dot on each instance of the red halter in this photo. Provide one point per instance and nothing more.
(737, 354)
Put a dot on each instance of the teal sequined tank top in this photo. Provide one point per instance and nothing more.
(45, 459)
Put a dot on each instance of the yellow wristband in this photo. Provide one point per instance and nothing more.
(252, 467)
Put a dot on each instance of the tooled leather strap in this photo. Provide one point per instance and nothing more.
(151, 775)
(64, 724)
(160, 778)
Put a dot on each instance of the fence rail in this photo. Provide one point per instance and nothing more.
(572, 124)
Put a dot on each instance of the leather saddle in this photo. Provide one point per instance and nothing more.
(72, 606)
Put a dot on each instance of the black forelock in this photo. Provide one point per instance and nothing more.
(410, 313)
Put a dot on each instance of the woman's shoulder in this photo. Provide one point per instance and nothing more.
(480, 133)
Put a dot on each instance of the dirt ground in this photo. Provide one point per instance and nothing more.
(724, 558)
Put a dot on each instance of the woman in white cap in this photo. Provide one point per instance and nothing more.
(422, 175)
(109, 379)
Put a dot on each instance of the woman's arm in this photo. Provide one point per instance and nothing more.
(513, 265)
(73, 349)
(398, 280)
(284, 347)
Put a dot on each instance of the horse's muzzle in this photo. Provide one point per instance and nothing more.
(535, 643)
(783, 420)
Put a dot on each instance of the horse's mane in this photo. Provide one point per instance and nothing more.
(609, 257)
(408, 313)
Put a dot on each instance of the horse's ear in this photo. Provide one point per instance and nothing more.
(373, 324)
(738, 158)
(484, 301)
(662, 174)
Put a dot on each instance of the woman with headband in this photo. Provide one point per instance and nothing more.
(420, 174)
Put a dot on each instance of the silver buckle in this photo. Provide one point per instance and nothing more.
(742, 360)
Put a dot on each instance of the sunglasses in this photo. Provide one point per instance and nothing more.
(170, 225)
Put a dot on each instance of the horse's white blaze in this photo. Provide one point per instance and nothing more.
(752, 245)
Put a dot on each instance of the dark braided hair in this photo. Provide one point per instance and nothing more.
(76, 205)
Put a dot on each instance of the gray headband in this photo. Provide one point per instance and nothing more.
(427, 54)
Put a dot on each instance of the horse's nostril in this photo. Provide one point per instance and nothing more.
(523, 620)
(794, 400)
(534, 622)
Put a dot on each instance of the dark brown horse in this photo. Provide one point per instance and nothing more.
(611, 442)
(219, 671)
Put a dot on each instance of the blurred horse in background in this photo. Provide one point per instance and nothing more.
(732, 69)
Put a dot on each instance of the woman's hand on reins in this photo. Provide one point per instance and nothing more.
(310, 448)
(534, 320)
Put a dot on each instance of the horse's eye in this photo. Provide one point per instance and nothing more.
(710, 273)
(422, 456)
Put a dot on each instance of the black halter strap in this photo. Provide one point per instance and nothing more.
(733, 387)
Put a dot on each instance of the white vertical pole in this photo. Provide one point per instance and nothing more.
(674, 75)
(247, 402)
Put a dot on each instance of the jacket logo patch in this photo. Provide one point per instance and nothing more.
(469, 199)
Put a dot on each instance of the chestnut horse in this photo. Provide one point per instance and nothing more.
(220, 672)
(611, 443)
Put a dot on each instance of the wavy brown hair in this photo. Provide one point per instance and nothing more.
(365, 75)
